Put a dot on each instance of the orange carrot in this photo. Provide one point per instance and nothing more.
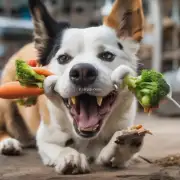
(42, 71)
(13, 90)
(137, 127)
(33, 63)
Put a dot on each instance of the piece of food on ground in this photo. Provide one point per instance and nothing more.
(150, 88)
(171, 160)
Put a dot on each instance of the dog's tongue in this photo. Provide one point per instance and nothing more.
(88, 115)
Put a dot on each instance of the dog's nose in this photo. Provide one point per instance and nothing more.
(83, 74)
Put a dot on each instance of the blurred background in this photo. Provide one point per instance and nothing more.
(160, 48)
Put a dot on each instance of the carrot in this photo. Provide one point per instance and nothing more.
(13, 90)
(137, 127)
(33, 63)
(42, 71)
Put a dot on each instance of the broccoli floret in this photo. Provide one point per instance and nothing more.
(27, 102)
(27, 76)
(149, 88)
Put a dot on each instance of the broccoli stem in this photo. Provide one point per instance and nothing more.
(146, 101)
(149, 88)
(130, 81)
(145, 91)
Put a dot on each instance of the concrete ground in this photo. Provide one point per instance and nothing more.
(164, 142)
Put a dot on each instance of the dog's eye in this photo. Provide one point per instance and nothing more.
(106, 56)
(64, 59)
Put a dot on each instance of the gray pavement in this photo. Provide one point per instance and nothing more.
(165, 141)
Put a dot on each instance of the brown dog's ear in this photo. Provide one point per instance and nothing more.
(127, 18)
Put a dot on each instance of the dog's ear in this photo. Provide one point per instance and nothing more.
(127, 18)
(46, 29)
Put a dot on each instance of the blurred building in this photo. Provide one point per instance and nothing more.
(83, 13)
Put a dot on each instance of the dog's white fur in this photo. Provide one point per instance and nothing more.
(51, 139)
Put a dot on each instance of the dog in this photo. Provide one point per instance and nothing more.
(84, 112)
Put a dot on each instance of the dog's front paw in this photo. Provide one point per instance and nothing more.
(132, 137)
(121, 148)
(72, 162)
(110, 152)
(129, 143)
(10, 147)
(106, 155)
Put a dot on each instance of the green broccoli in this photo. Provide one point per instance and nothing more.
(27, 102)
(27, 76)
(149, 88)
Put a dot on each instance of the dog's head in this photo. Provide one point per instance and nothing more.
(84, 59)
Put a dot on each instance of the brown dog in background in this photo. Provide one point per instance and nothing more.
(12, 123)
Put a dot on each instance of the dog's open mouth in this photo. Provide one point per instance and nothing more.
(89, 112)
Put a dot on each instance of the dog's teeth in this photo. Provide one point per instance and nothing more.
(73, 99)
(90, 129)
(95, 128)
(69, 101)
(99, 100)
(87, 129)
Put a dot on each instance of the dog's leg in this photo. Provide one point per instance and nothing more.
(51, 142)
(8, 144)
(121, 148)
(114, 153)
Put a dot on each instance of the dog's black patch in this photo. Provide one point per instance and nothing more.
(37, 9)
(120, 46)
(52, 46)
(54, 2)
(91, 160)
(46, 26)
(69, 142)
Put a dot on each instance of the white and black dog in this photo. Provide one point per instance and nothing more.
(84, 109)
